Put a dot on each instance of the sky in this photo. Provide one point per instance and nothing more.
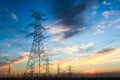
(82, 33)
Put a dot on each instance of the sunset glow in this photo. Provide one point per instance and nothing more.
(82, 34)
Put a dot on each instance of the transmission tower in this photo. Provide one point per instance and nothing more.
(36, 61)
(70, 71)
(58, 70)
(47, 67)
(9, 71)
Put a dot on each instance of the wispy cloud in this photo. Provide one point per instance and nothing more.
(110, 21)
(63, 60)
(94, 13)
(9, 42)
(4, 58)
(106, 14)
(105, 51)
(107, 58)
(15, 61)
(74, 48)
(61, 36)
(106, 2)
(58, 38)
(56, 30)
(99, 29)
(102, 52)
(22, 58)
(111, 13)
(14, 16)
(117, 27)
(86, 46)
(100, 58)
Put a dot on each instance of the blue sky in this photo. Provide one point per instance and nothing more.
(79, 30)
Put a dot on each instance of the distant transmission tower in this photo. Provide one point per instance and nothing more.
(47, 67)
(69, 69)
(58, 70)
(9, 71)
(36, 60)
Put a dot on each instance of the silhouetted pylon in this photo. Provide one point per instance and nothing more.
(36, 60)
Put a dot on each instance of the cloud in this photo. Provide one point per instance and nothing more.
(117, 27)
(58, 38)
(4, 58)
(19, 60)
(98, 54)
(9, 26)
(108, 14)
(116, 21)
(6, 15)
(14, 16)
(22, 58)
(56, 30)
(9, 42)
(70, 15)
(94, 12)
(8, 23)
(70, 50)
(95, 7)
(63, 63)
(74, 48)
(61, 36)
(14, 61)
(83, 56)
(106, 59)
(63, 60)
(98, 31)
(86, 46)
(105, 23)
(99, 61)
(105, 51)
(99, 28)
(106, 2)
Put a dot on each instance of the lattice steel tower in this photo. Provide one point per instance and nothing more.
(9, 71)
(36, 60)
(47, 68)
(58, 70)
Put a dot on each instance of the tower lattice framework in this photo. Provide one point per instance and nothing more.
(36, 61)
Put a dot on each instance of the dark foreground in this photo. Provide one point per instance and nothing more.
(65, 78)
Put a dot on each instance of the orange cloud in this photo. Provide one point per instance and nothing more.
(88, 72)
(14, 62)
(101, 61)
(19, 60)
